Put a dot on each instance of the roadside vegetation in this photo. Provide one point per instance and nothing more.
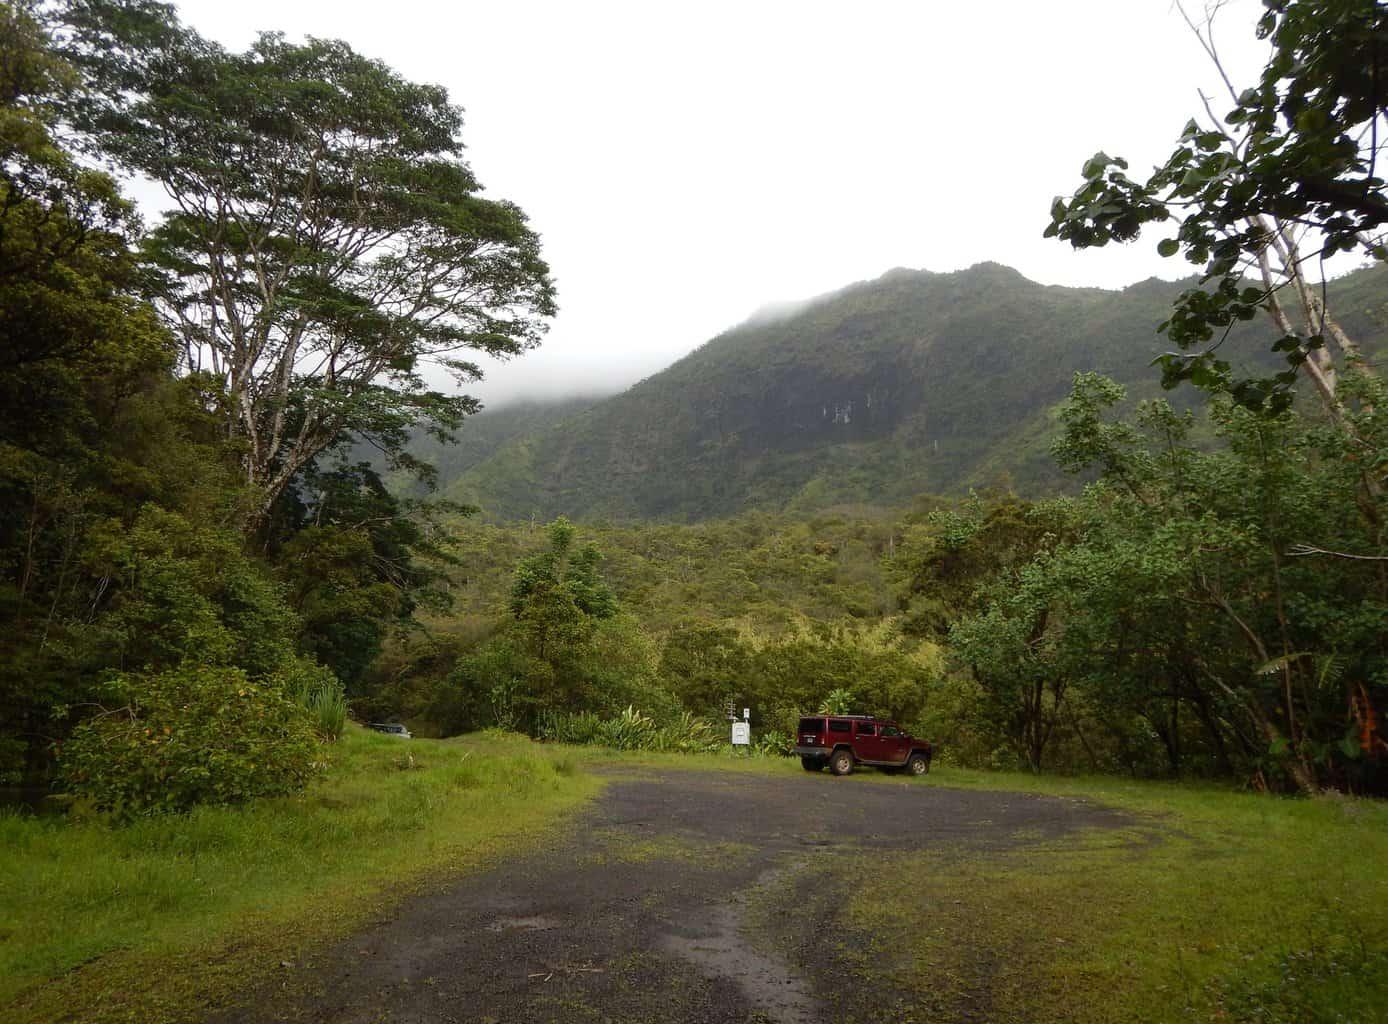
(1214, 603)
(1172, 620)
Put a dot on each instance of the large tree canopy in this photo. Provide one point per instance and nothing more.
(1288, 177)
(326, 244)
(64, 258)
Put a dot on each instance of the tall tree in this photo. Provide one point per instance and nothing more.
(357, 561)
(327, 244)
(1182, 586)
(65, 266)
(77, 355)
(558, 595)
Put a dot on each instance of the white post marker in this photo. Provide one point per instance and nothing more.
(742, 734)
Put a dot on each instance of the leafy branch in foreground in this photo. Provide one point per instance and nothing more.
(1288, 176)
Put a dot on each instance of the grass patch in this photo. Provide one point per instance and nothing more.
(158, 919)
(619, 847)
(721, 761)
(1217, 906)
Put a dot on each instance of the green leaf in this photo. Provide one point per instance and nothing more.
(1095, 166)
(1273, 665)
(1168, 247)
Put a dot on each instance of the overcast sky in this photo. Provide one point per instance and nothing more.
(688, 163)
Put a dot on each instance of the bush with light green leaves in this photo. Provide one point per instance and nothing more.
(192, 735)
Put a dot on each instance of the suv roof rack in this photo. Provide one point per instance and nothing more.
(846, 716)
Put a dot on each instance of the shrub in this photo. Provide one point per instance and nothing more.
(838, 702)
(318, 691)
(492, 685)
(631, 730)
(774, 743)
(691, 735)
(186, 591)
(192, 735)
(579, 727)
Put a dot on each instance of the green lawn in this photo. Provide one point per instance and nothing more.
(1213, 906)
(89, 913)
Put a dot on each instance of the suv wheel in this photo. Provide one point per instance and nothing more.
(919, 764)
(811, 764)
(841, 762)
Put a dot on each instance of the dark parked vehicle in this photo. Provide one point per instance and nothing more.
(843, 741)
(390, 729)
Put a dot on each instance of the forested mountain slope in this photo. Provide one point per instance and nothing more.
(484, 433)
(915, 382)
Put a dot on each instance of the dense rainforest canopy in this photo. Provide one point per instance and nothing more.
(180, 402)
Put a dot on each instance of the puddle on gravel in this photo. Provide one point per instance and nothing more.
(533, 923)
(711, 939)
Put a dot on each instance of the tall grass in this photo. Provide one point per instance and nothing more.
(329, 709)
(322, 695)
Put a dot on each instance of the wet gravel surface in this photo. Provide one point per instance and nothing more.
(639, 911)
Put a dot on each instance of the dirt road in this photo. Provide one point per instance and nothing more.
(683, 896)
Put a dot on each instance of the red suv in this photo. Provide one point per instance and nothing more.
(842, 741)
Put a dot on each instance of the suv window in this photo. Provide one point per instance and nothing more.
(840, 726)
(866, 729)
(890, 730)
(811, 724)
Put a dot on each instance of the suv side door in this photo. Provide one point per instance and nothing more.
(867, 745)
(893, 742)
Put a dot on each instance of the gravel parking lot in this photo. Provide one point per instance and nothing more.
(643, 910)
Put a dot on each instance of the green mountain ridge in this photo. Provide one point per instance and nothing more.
(483, 434)
(915, 382)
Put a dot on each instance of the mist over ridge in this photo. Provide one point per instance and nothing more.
(551, 374)
(912, 382)
(559, 373)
